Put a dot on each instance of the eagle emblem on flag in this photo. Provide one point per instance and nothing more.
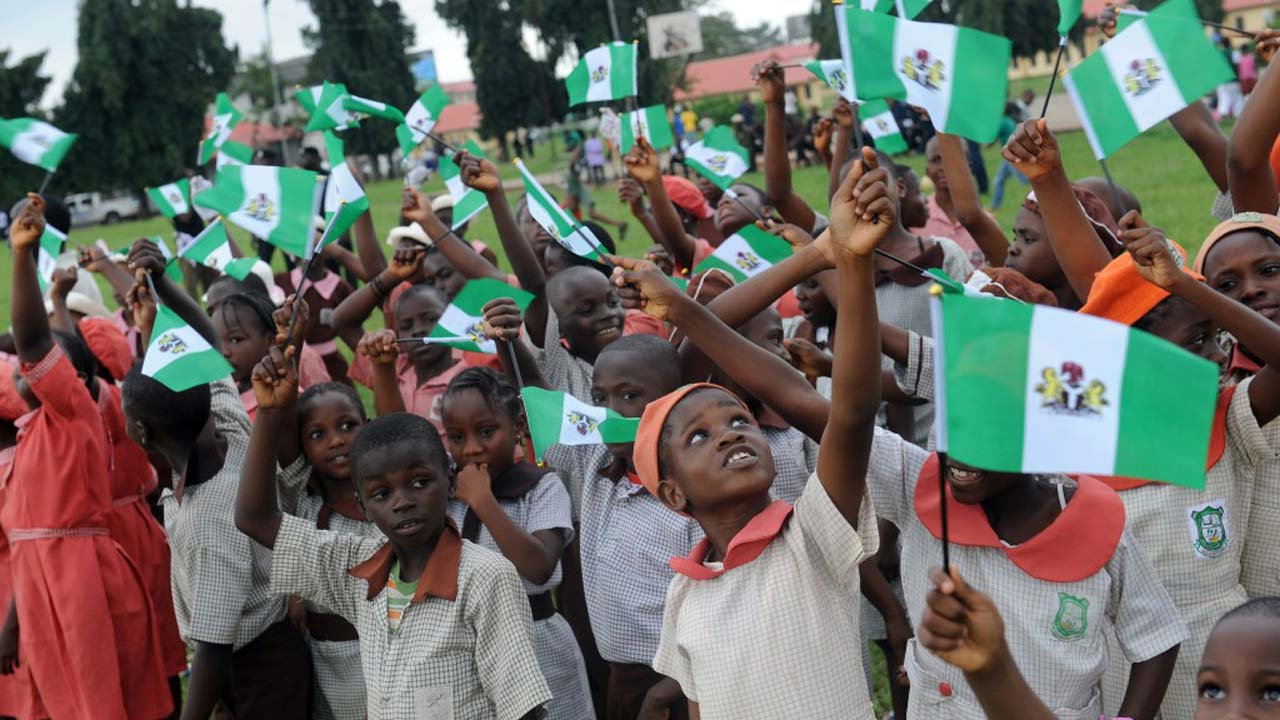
(747, 261)
(882, 124)
(1143, 76)
(261, 208)
(174, 197)
(600, 74)
(924, 69)
(717, 163)
(171, 344)
(585, 425)
(476, 332)
(1065, 392)
(839, 80)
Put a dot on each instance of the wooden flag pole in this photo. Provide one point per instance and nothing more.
(1053, 79)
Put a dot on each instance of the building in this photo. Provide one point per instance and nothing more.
(732, 76)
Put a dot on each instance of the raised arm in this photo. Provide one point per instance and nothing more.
(1252, 183)
(31, 334)
(368, 249)
(1033, 150)
(381, 349)
(347, 259)
(769, 77)
(968, 204)
(415, 207)
(845, 121)
(643, 167)
(747, 299)
(95, 260)
(502, 322)
(534, 554)
(349, 316)
(145, 257)
(1196, 126)
(632, 193)
(275, 385)
(63, 280)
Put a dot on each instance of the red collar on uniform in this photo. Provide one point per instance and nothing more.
(1090, 525)
(439, 578)
(746, 546)
(1242, 363)
(1217, 441)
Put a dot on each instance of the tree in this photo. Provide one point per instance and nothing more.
(146, 74)
(364, 44)
(254, 82)
(21, 87)
(721, 37)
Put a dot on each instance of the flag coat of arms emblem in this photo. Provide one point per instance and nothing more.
(1071, 622)
(718, 157)
(882, 126)
(563, 227)
(462, 324)
(833, 73)
(171, 199)
(274, 203)
(649, 123)
(604, 73)
(558, 418)
(179, 357)
(747, 253)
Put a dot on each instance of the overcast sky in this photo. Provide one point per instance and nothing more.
(51, 25)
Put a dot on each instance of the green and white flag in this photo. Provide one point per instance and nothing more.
(910, 8)
(51, 242)
(274, 203)
(649, 123)
(1043, 390)
(556, 418)
(179, 357)
(747, 253)
(604, 73)
(934, 66)
(1177, 9)
(212, 249)
(344, 198)
(466, 201)
(171, 268)
(882, 126)
(225, 117)
(832, 73)
(1068, 13)
(881, 6)
(311, 97)
(718, 157)
(1149, 71)
(571, 234)
(365, 106)
(35, 142)
(404, 137)
(171, 199)
(425, 113)
(233, 153)
(462, 323)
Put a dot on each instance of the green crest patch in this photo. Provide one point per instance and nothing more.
(1072, 619)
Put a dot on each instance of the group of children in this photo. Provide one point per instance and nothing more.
(777, 510)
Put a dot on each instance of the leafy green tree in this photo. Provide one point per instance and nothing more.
(21, 87)
(721, 37)
(254, 82)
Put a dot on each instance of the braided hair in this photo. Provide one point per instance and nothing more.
(499, 394)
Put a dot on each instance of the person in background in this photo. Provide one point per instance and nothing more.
(1008, 123)
(594, 151)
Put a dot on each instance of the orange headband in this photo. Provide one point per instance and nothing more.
(645, 452)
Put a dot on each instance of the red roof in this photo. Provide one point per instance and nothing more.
(256, 134)
(733, 74)
(1094, 8)
(461, 86)
(459, 116)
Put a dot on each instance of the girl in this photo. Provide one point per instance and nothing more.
(246, 326)
(326, 290)
(519, 510)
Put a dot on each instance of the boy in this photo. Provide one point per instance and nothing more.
(444, 624)
(246, 654)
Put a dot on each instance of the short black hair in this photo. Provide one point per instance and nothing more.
(422, 289)
(309, 396)
(573, 259)
(181, 414)
(555, 283)
(257, 305)
(78, 352)
(1268, 607)
(399, 427)
(1162, 310)
(251, 284)
(56, 213)
(500, 395)
(657, 353)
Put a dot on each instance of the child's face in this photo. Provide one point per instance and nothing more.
(218, 292)
(439, 274)
(933, 165)
(731, 216)
(765, 330)
(404, 490)
(329, 426)
(814, 303)
(914, 207)
(1031, 254)
(1245, 266)
(715, 454)
(478, 434)
(625, 383)
(971, 485)
(1190, 329)
(538, 238)
(417, 314)
(1239, 676)
(244, 341)
(590, 314)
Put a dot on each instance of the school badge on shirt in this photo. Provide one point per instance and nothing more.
(1072, 620)
(1210, 528)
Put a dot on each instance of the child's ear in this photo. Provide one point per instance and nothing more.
(672, 496)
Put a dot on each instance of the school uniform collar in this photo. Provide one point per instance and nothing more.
(1217, 443)
(325, 285)
(1242, 363)
(439, 578)
(746, 546)
(1091, 525)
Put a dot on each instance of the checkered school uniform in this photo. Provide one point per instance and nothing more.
(470, 658)
(795, 458)
(747, 644)
(338, 690)
(1195, 540)
(627, 539)
(546, 507)
(1057, 632)
(221, 578)
(916, 378)
(1260, 564)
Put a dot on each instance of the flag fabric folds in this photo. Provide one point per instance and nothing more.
(718, 157)
(1068, 13)
(274, 203)
(47, 252)
(36, 142)
(879, 122)
(832, 72)
(746, 253)
(462, 323)
(179, 357)
(604, 73)
(212, 249)
(563, 227)
(557, 418)
(225, 117)
(424, 114)
(171, 200)
(649, 123)
(466, 201)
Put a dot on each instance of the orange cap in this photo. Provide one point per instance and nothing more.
(1120, 294)
(108, 345)
(12, 406)
(645, 451)
(1269, 224)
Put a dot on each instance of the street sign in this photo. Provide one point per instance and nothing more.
(675, 34)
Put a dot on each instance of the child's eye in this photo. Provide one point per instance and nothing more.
(455, 438)
(697, 436)
(421, 482)
(1271, 693)
(348, 425)
(739, 422)
(598, 399)
(1211, 692)
(315, 435)
(1225, 286)
(379, 494)
(1271, 269)
(629, 395)
(487, 432)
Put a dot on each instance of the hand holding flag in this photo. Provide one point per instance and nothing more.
(642, 286)
(642, 162)
(1033, 150)
(861, 213)
(379, 346)
(275, 379)
(477, 172)
(502, 319)
(1150, 251)
(768, 76)
(27, 228)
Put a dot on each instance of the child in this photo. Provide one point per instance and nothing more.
(77, 598)
(246, 326)
(16, 696)
(699, 450)
(443, 624)
(325, 291)
(519, 510)
(1237, 676)
(247, 656)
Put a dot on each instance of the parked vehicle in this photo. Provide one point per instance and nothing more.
(102, 208)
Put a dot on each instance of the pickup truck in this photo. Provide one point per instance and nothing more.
(102, 208)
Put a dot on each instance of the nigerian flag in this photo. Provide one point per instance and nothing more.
(1043, 390)
(556, 418)
(334, 116)
(171, 199)
(462, 323)
(562, 226)
(833, 74)
(649, 123)
(1068, 13)
(718, 157)
(51, 242)
(1152, 69)
(274, 203)
(365, 106)
(882, 126)
(35, 142)
(1179, 9)
(466, 201)
(233, 153)
(882, 6)
(604, 73)
(179, 357)
(934, 66)
(344, 198)
(171, 268)
(748, 252)
(212, 249)
(225, 117)
(910, 8)
(425, 113)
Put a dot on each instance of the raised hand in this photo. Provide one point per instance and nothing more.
(145, 256)
(142, 307)
(1268, 41)
(961, 625)
(1151, 252)
(275, 379)
(1107, 20)
(63, 280)
(794, 236)
(474, 484)
(768, 76)
(477, 172)
(29, 225)
(642, 162)
(808, 358)
(631, 193)
(406, 263)
(822, 133)
(379, 346)
(861, 212)
(1033, 150)
(843, 113)
(502, 319)
(415, 206)
(642, 286)
(284, 318)
(660, 256)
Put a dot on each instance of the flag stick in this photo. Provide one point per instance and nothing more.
(942, 494)
(515, 365)
(47, 177)
(857, 130)
(151, 284)
(1222, 26)
(306, 273)
(439, 140)
(1053, 79)
(1115, 191)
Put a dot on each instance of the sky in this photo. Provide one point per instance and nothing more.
(51, 25)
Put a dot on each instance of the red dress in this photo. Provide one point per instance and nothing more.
(16, 697)
(78, 595)
(135, 528)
